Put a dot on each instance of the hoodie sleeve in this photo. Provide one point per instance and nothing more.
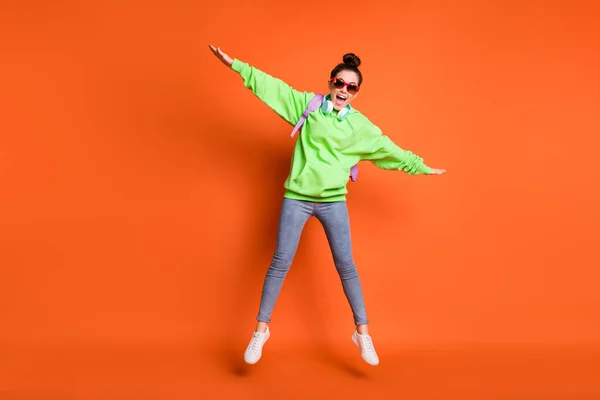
(385, 154)
(287, 102)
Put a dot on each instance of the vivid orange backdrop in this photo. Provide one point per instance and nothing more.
(141, 182)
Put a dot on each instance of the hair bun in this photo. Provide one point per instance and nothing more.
(351, 59)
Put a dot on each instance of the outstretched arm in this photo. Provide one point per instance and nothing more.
(287, 102)
(385, 154)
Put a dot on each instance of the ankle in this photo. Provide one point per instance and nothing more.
(261, 327)
(362, 329)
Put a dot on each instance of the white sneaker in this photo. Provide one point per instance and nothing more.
(367, 350)
(254, 349)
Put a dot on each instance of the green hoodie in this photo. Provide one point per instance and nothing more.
(326, 148)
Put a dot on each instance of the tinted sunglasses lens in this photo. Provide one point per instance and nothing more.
(338, 83)
(352, 88)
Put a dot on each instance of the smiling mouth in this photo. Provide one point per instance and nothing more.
(339, 99)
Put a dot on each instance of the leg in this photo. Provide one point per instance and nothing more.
(336, 222)
(292, 219)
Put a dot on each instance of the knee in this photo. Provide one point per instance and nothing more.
(346, 268)
(282, 259)
(280, 264)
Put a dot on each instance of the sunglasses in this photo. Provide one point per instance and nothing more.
(339, 83)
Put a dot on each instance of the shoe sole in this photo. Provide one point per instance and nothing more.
(250, 362)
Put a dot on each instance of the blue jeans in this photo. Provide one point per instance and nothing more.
(334, 218)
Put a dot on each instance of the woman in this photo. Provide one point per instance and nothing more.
(334, 138)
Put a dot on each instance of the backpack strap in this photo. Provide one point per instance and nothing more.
(313, 104)
(354, 173)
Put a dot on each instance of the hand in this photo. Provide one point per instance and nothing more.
(225, 59)
(435, 171)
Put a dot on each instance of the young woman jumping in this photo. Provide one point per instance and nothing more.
(333, 139)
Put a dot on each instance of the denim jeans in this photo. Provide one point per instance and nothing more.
(334, 219)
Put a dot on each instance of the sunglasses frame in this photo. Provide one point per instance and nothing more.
(346, 84)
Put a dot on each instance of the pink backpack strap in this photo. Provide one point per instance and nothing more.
(354, 173)
(313, 104)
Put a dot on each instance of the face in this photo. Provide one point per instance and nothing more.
(342, 96)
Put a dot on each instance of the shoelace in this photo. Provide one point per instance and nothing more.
(256, 340)
(368, 344)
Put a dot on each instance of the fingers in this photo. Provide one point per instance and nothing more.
(213, 49)
(216, 51)
(221, 55)
(436, 171)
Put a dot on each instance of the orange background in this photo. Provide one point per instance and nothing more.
(141, 182)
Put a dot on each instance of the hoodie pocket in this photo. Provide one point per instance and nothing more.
(316, 181)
